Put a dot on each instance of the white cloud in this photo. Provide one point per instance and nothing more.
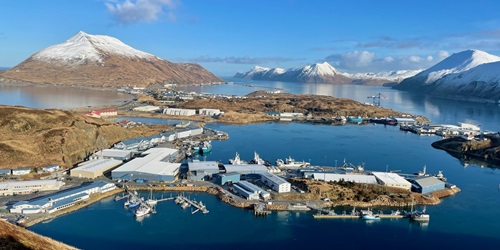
(442, 54)
(388, 59)
(430, 58)
(353, 59)
(414, 59)
(133, 11)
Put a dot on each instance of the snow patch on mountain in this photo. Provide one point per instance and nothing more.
(393, 76)
(84, 48)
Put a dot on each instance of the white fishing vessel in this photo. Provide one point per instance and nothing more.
(289, 162)
(142, 211)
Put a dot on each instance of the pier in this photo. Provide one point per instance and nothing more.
(260, 210)
(186, 202)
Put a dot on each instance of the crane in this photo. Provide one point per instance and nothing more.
(376, 99)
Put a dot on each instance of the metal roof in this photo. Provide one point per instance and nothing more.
(155, 161)
(22, 184)
(203, 166)
(274, 178)
(246, 168)
(114, 153)
(98, 165)
(358, 178)
(428, 181)
(391, 178)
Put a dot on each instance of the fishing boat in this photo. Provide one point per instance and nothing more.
(419, 216)
(237, 160)
(206, 147)
(258, 160)
(289, 162)
(371, 217)
(151, 201)
(142, 210)
(385, 121)
(131, 203)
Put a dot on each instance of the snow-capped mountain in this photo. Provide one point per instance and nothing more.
(324, 73)
(315, 73)
(98, 60)
(458, 64)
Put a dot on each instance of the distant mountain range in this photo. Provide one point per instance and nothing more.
(470, 74)
(323, 73)
(98, 60)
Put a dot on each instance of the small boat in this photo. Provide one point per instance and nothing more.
(371, 217)
(355, 119)
(206, 147)
(142, 210)
(385, 121)
(185, 205)
(151, 201)
(291, 163)
(131, 203)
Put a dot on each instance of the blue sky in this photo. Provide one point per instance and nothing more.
(229, 36)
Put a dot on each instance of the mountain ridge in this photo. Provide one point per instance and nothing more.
(104, 61)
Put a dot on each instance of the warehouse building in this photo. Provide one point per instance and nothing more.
(147, 108)
(21, 171)
(94, 168)
(427, 184)
(141, 143)
(155, 164)
(199, 170)
(392, 180)
(255, 189)
(115, 154)
(276, 183)
(28, 187)
(246, 168)
(357, 178)
(209, 112)
(249, 195)
(191, 131)
(228, 178)
(61, 200)
(179, 112)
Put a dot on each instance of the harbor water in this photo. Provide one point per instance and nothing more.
(465, 220)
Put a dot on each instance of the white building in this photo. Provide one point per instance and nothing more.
(155, 164)
(61, 200)
(21, 171)
(209, 112)
(102, 113)
(255, 189)
(179, 112)
(357, 178)
(148, 108)
(276, 183)
(116, 154)
(27, 187)
(94, 168)
(392, 180)
(51, 168)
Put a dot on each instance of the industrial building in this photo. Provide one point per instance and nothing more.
(209, 112)
(357, 178)
(179, 112)
(141, 143)
(228, 178)
(198, 170)
(155, 164)
(51, 168)
(115, 154)
(392, 180)
(27, 187)
(191, 131)
(147, 108)
(94, 168)
(249, 195)
(21, 171)
(255, 189)
(61, 200)
(427, 184)
(246, 168)
(276, 183)
(102, 113)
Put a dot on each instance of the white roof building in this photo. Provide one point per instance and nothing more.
(246, 168)
(116, 154)
(95, 168)
(155, 164)
(276, 183)
(357, 178)
(392, 180)
(27, 187)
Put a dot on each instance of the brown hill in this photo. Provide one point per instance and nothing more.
(15, 237)
(95, 60)
(37, 138)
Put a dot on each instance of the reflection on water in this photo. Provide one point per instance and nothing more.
(439, 110)
(57, 97)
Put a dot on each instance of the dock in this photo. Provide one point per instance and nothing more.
(350, 216)
(186, 202)
(117, 198)
(260, 210)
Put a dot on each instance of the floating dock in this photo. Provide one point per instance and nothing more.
(186, 202)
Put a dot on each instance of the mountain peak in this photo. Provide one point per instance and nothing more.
(324, 69)
(84, 48)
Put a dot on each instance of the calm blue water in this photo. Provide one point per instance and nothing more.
(466, 220)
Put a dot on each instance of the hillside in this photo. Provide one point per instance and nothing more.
(103, 61)
(37, 138)
(15, 237)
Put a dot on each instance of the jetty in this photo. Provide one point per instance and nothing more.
(359, 215)
(186, 202)
(260, 210)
